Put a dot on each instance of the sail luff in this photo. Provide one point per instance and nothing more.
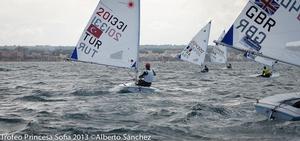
(138, 49)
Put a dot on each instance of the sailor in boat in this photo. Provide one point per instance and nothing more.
(205, 69)
(147, 77)
(266, 72)
(229, 66)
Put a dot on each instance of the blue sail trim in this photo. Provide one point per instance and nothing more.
(134, 65)
(74, 54)
(228, 38)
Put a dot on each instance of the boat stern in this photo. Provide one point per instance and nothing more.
(264, 109)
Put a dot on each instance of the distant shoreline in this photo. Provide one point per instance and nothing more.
(61, 53)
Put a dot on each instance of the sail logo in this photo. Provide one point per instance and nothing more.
(187, 51)
(94, 31)
(248, 42)
(192, 47)
(249, 55)
(130, 4)
(270, 6)
(197, 48)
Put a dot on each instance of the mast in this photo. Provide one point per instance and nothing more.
(138, 49)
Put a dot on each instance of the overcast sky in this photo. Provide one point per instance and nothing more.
(61, 22)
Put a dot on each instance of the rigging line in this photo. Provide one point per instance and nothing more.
(130, 75)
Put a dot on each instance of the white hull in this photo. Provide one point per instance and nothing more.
(204, 71)
(279, 107)
(274, 75)
(132, 88)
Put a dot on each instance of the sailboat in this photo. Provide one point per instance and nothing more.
(264, 61)
(219, 53)
(280, 107)
(195, 52)
(266, 28)
(112, 38)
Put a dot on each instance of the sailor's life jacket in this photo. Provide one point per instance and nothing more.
(229, 66)
(205, 69)
(266, 73)
(148, 75)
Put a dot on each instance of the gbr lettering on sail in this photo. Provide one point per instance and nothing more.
(260, 18)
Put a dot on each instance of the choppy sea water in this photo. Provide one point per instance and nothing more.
(67, 98)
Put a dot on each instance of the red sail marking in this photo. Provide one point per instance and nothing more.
(95, 31)
(130, 4)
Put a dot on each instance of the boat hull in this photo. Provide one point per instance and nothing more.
(132, 88)
(277, 114)
(272, 76)
(277, 107)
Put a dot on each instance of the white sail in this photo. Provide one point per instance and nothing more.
(259, 59)
(111, 36)
(196, 50)
(267, 27)
(219, 52)
(265, 61)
